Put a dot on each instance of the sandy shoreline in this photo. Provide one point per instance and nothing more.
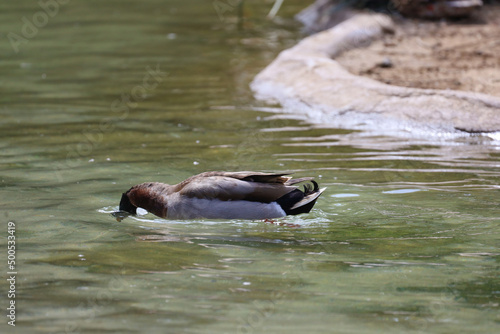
(459, 55)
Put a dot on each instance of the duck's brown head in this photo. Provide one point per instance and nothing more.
(147, 196)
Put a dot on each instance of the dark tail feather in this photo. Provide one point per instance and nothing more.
(297, 201)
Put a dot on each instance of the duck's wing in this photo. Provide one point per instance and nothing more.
(232, 186)
(267, 177)
(250, 176)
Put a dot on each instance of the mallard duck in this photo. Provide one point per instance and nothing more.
(224, 195)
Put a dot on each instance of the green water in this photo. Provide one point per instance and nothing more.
(404, 240)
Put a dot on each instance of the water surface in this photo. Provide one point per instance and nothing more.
(110, 94)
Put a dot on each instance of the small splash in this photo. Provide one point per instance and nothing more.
(401, 191)
(141, 212)
(108, 209)
(344, 195)
(120, 215)
(115, 212)
(141, 216)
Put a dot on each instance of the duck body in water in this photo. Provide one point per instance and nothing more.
(224, 195)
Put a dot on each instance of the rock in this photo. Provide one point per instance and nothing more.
(386, 63)
(306, 79)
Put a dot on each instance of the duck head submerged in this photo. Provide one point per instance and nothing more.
(126, 205)
(145, 195)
